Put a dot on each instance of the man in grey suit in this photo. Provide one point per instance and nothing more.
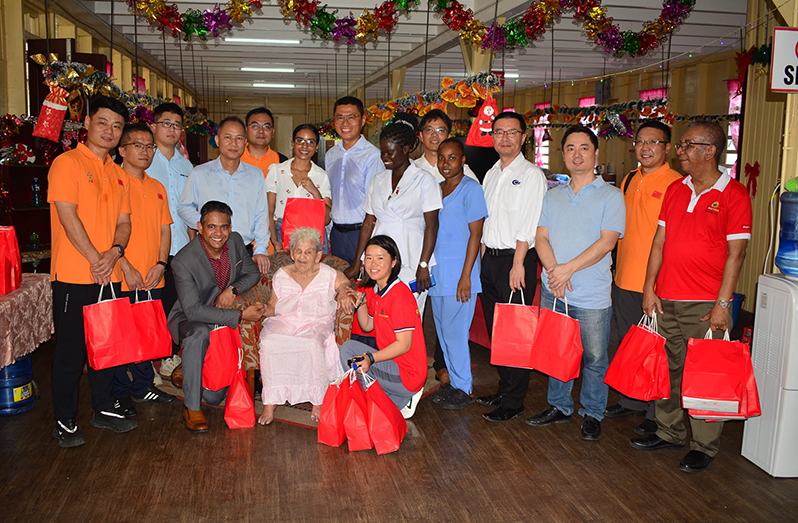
(210, 271)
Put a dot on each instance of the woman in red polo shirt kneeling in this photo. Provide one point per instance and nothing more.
(389, 308)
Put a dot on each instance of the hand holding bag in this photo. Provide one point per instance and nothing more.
(514, 328)
(387, 426)
(557, 348)
(356, 417)
(111, 335)
(640, 367)
(221, 359)
(239, 407)
(155, 342)
(333, 410)
(713, 374)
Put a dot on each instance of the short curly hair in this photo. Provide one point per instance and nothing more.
(402, 130)
(305, 234)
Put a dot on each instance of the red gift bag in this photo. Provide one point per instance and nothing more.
(52, 114)
(111, 335)
(557, 347)
(514, 329)
(356, 417)
(302, 212)
(640, 367)
(239, 407)
(333, 410)
(221, 359)
(749, 405)
(155, 342)
(714, 372)
(387, 426)
(10, 262)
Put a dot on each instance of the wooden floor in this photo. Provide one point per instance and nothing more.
(453, 466)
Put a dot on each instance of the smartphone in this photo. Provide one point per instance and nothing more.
(413, 285)
(355, 359)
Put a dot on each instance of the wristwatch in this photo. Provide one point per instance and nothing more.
(121, 249)
(723, 303)
(423, 264)
(234, 290)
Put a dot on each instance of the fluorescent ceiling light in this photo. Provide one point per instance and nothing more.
(236, 40)
(275, 86)
(268, 69)
(508, 75)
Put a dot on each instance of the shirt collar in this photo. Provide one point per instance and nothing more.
(595, 184)
(383, 292)
(719, 185)
(211, 258)
(88, 153)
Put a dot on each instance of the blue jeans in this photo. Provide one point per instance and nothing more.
(594, 325)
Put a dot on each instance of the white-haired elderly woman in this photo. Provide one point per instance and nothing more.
(298, 354)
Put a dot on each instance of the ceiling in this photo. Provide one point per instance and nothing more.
(323, 69)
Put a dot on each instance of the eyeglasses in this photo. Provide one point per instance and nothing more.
(149, 147)
(170, 125)
(348, 118)
(510, 133)
(649, 142)
(687, 145)
(266, 127)
(303, 141)
(441, 131)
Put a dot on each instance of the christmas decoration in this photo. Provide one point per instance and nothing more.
(52, 114)
(480, 133)
(752, 173)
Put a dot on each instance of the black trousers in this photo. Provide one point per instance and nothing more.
(495, 277)
(627, 309)
(169, 295)
(70, 351)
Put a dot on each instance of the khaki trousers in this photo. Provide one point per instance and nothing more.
(681, 321)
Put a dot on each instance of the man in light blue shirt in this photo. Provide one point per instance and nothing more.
(238, 184)
(350, 165)
(579, 226)
(172, 169)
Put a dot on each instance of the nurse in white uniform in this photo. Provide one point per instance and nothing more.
(403, 202)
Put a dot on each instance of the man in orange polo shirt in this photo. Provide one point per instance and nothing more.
(644, 188)
(90, 220)
(145, 262)
(260, 132)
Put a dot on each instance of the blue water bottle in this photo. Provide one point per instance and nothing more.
(787, 255)
(36, 193)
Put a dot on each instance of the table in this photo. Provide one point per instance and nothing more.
(26, 317)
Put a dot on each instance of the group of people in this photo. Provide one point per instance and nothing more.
(197, 237)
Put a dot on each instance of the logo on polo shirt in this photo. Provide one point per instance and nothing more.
(516, 182)
(121, 183)
(714, 208)
(160, 196)
(382, 314)
(657, 195)
(89, 176)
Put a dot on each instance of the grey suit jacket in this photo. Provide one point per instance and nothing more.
(196, 286)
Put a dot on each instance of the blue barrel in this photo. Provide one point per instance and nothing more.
(787, 255)
(16, 388)
(737, 304)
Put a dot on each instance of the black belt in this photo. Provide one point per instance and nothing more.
(347, 228)
(500, 252)
(250, 247)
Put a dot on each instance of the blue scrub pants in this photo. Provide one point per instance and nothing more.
(452, 322)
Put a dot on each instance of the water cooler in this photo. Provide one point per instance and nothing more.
(769, 441)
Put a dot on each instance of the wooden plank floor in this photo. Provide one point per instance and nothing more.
(453, 466)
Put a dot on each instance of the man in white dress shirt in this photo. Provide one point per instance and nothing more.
(514, 191)
(240, 185)
(435, 127)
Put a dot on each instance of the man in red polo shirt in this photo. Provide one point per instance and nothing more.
(695, 260)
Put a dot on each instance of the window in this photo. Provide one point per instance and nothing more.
(648, 94)
(542, 146)
(587, 101)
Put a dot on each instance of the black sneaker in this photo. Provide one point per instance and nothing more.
(457, 400)
(114, 420)
(68, 434)
(154, 395)
(442, 394)
(124, 405)
(591, 429)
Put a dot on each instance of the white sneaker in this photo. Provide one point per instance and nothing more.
(168, 365)
(156, 379)
(410, 409)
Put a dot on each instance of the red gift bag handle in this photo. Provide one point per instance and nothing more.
(554, 307)
(523, 302)
(113, 294)
(708, 335)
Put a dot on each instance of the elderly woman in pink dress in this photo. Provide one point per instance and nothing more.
(299, 357)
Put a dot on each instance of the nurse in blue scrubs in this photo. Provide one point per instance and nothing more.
(456, 274)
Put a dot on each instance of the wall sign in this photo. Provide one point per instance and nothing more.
(784, 62)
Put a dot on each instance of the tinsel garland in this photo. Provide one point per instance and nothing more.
(194, 23)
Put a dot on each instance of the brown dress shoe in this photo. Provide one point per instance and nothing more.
(195, 420)
(443, 377)
(177, 376)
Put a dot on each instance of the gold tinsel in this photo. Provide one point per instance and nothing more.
(287, 7)
(238, 10)
(597, 22)
(367, 27)
(473, 31)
